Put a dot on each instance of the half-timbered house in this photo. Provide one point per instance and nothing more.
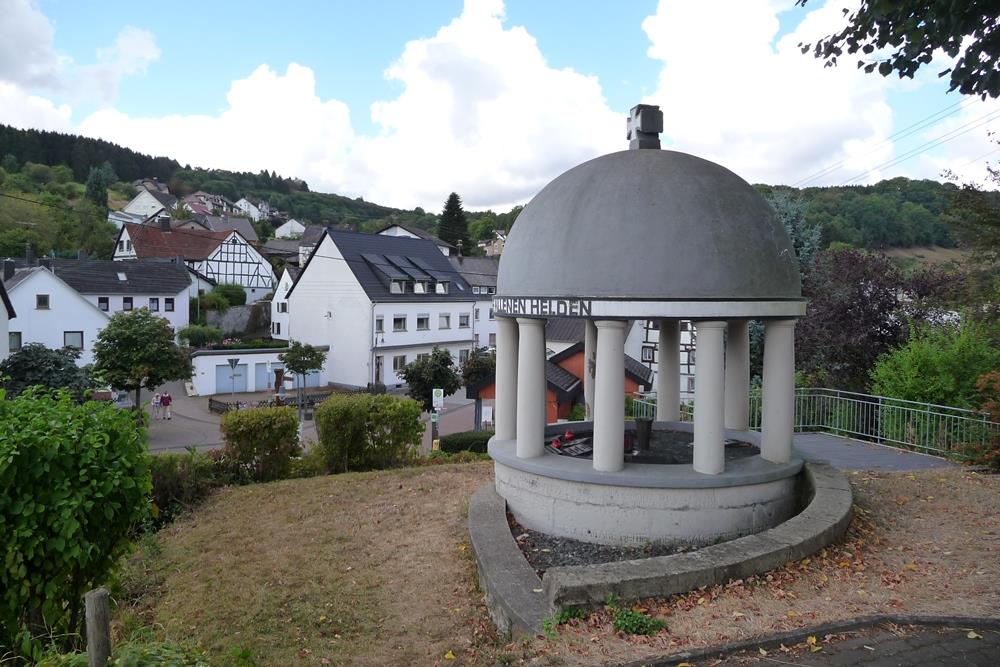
(224, 257)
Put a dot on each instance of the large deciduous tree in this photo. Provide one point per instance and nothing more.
(453, 226)
(433, 371)
(136, 349)
(901, 36)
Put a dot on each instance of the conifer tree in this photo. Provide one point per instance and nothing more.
(453, 226)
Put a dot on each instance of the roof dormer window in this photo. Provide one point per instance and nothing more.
(441, 287)
(397, 287)
(419, 287)
(121, 276)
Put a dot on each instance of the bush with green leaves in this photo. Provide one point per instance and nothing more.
(180, 481)
(428, 372)
(36, 365)
(472, 441)
(200, 335)
(577, 413)
(76, 484)
(134, 654)
(367, 431)
(234, 295)
(212, 301)
(261, 442)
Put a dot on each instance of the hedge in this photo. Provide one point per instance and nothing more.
(180, 481)
(466, 441)
(367, 431)
(260, 442)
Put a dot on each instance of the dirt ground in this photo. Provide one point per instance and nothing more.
(375, 569)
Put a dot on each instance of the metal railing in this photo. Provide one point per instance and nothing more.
(289, 400)
(921, 427)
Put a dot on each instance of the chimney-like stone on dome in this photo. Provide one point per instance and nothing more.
(645, 122)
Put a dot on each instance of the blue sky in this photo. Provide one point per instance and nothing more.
(403, 102)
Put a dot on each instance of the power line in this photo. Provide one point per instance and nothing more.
(933, 143)
(900, 134)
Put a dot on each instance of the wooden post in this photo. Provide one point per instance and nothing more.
(98, 617)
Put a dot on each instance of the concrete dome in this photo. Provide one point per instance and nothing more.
(649, 225)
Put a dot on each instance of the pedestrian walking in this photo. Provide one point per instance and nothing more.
(157, 402)
(166, 401)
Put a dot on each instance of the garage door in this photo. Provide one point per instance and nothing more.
(228, 380)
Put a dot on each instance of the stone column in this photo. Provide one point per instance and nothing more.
(709, 398)
(668, 372)
(609, 397)
(589, 366)
(505, 405)
(738, 375)
(778, 419)
(530, 388)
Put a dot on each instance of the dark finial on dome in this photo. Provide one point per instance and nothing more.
(645, 122)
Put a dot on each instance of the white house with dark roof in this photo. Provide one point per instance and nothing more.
(254, 209)
(396, 229)
(290, 229)
(379, 302)
(279, 302)
(481, 274)
(149, 202)
(65, 303)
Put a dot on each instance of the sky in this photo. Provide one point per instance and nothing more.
(403, 102)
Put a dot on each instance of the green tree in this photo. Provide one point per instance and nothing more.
(36, 365)
(9, 164)
(136, 349)
(433, 371)
(481, 364)
(302, 359)
(453, 226)
(912, 30)
(98, 181)
(76, 486)
(939, 365)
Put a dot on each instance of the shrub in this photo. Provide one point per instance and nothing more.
(472, 441)
(180, 481)
(309, 464)
(234, 295)
(134, 654)
(198, 335)
(367, 431)
(214, 301)
(442, 458)
(76, 483)
(262, 441)
(578, 413)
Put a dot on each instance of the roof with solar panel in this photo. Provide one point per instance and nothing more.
(399, 268)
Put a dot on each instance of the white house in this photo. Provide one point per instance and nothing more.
(649, 353)
(279, 303)
(7, 313)
(222, 257)
(291, 229)
(149, 202)
(481, 274)
(66, 302)
(379, 302)
(51, 312)
(253, 208)
(409, 232)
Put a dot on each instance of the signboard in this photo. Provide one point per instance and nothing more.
(437, 398)
(434, 417)
(233, 362)
(542, 306)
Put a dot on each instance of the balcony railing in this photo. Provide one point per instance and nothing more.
(921, 427)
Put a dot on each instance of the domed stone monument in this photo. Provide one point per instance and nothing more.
(648, 234)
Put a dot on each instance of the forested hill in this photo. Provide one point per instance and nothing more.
(895, 213)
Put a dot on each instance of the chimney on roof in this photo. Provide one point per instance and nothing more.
(645, 122)
(164, 223)
(179, 260)
(81, 255)
(29, 254)
(459, 244)
(8, 269)
(45, 262)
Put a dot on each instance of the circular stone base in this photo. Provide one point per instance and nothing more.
(645, 503)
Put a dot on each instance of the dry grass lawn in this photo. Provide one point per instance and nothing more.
(374, 569)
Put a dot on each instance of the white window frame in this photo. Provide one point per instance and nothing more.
(427, 322)
(395, 319)
(444, 320)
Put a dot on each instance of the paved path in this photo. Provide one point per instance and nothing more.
(848, 454)
(914, 646)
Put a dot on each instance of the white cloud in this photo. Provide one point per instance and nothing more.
(19, 109)
(761, 107)
(482, 114)
(273, 121)
(29, 60)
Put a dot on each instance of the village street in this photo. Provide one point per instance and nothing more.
(193, 424)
